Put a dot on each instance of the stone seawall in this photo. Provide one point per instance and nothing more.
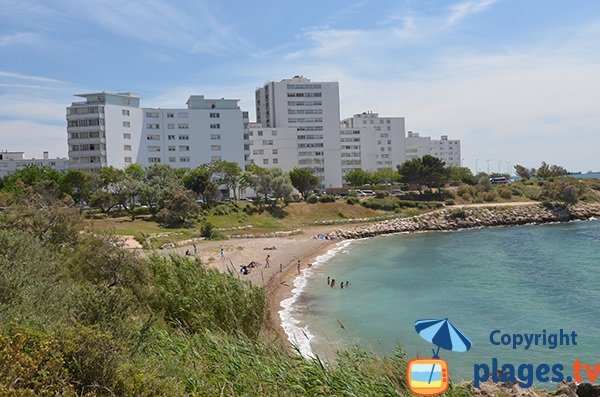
(471, 217)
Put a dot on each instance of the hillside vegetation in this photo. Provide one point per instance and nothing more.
(80, 316)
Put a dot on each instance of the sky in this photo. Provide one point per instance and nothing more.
(517, 81)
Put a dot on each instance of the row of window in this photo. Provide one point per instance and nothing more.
(304, 94)
(381, 121)
(316, 136)
(86, 147)
(85, 122)
(85, 110)
(305, 103)
(305, 111)
(260, 133)
(312, 154)
(88, 159)
(308, 86)
(87, 134)
(293, 120)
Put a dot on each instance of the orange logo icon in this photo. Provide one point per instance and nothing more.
(427, 376)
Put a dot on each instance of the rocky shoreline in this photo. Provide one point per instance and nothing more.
(472, 217)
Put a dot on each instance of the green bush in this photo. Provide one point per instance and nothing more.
(458, 213)
(380, 204)
(312, 199)
(449, 202)
(505, 193)
(327, 198)
(381, 194)
(193, 298)
(207, 230)
(352, 200)
(490, 196)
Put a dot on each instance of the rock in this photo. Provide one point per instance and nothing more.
(588, 390)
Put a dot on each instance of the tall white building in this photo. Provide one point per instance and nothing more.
(445, 149)
(371, 142)
(112, 130)
(306, 114)
(13, 161)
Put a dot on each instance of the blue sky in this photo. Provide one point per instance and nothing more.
(516, 81)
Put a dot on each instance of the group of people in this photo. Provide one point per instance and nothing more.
(332, 283)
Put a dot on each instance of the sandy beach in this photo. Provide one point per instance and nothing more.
(278, 278)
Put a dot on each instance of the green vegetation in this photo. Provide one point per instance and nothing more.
(80, 316)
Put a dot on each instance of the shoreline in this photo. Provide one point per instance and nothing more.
(280, 286)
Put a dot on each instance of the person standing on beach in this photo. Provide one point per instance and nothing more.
(267, 261)
(328, 280)
(332, 282)
(195, 249)
(342, 285)
(298, 266)
(222, 254)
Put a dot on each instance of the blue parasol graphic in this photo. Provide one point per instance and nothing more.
(444, 335)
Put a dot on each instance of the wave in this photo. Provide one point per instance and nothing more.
(298, 334)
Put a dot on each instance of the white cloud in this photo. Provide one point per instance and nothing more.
(21, 76)
(465, 9)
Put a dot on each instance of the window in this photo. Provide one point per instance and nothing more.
(184, 159)
(154, 160)
(265, 161)
(125, 112)
(126, 135)
(170, 115)
(126, 124)
(172, 159)
(273, 133)
(215, 147)
(154, 148)
(268, 142)
(127, 148)
(275, 151)
(258, 152)
(182, 115)
(215, 137)
(127, 159)
(153, 137)
(215, 115)
(215, 158)
(171, 137)
(152, 115)
(183, 126)
(184, 137)
(215, 126)
(171, 126)
(275, 161)
(259, 133)
(183, 148)
(152, 126)
(171, 148)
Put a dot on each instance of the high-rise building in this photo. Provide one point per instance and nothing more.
(371, 142)
(112, 130)
(310, 112)
(445, 149)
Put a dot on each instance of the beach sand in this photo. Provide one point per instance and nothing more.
(278, 284)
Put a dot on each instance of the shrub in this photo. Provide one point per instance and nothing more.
(490, 196)
(327, 198)
(505, 193)
(352, 200)
(381, 194)
(449, 202)
(312, 199)
(380, 204)
(207, 230)
(458, 213)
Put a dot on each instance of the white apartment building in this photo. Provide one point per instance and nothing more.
(112, 130)
(445, 149)
(305, 115)
(13, 161)
(371, 142)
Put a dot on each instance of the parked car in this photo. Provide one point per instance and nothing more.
(368, 192)
(398, 192)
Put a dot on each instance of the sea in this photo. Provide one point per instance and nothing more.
(525, 280)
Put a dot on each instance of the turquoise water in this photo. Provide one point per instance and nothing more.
(522, 279)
